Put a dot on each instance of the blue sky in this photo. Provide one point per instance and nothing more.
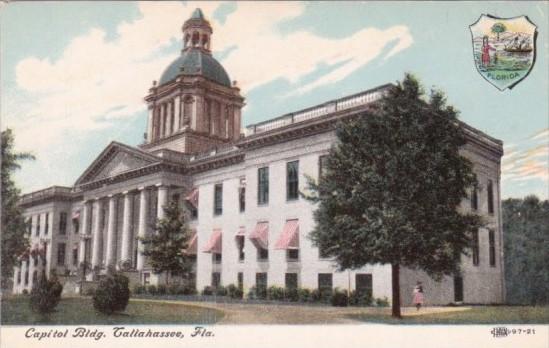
(74, 74)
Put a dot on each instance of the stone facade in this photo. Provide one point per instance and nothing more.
(194, 147)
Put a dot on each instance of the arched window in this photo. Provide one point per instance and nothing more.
(205, 41)
(34, 276)
(186, 40)
(196, 38)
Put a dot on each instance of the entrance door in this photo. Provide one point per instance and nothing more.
(458, 289)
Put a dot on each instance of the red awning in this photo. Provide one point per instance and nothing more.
(193, 243)
(192, 198)
(260, 235)
(289, 239)
(241, 232)
(214, 244)
(76, 215)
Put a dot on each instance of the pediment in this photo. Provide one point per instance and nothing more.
(114, 160)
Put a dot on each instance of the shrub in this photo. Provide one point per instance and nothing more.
(261, 292)
(252, 293)
(360, 298)
(175, 289)
(112, 294)
(221, 291)
(189, 289)
(45, 294)
(152, 289)
(139, 289)
(161, 290)
(275, 293)
(234, 291)
(304, 295)
(339, 298)
(207, 291)
(382, 302)
(89, 292)
(25, 292)
(292, 295)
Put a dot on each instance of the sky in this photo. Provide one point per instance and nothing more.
(73, 74)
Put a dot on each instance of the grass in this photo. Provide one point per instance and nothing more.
(476, 315)
(80, 311)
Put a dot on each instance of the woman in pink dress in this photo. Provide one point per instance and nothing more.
(418, 295)
(486, 48)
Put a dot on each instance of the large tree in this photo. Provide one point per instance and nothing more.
(526, 233)
(13, 225)
(392, 186)
(166, 246)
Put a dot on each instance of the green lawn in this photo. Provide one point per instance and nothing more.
(80, 311)
(476, 315)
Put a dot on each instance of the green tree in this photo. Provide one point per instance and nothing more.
(165, 246)
(498, 28)
(526, 241)
(45, 293)
(13, 224)
(392, 186)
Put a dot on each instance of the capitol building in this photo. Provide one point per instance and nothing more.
(240, 187)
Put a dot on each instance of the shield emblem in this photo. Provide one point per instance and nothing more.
(504, 49)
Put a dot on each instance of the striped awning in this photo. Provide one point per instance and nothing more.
(241, 232)
(260, 235)
(214, 244)
(192, 197)
(289, 239)
(193, 244)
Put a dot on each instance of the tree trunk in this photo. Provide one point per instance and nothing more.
(395, 275)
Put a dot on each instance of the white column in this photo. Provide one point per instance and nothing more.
(97, 233)
(110, 258)
(150, 124)
(142, 226)
(177, 112)
(161, 121)
(126, 228)
(23, 271)
(169, 110)
(16, 271)
(162, 200)
(31, 270)
(84, 232)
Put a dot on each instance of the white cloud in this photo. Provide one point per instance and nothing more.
(98, 79)
(528, 159)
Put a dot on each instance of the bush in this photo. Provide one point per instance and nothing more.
(139, 289)
(382, 302)
(152, 289)
(339, 298)
(261, 292)
(45, 294)
(252, 293)
(292, 295)
(189, 289)
(275, 293)
(221, 291)
(207, 291)
(234, 291)
(89, 292)
(360, 298)
(175, 289)
(112, 294)
(162, 290)
(25, 292)
(304, 295)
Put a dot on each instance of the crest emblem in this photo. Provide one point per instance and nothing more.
(504, 49)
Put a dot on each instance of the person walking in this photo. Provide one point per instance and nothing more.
(418, 295)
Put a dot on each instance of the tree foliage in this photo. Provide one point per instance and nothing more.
(392, 186)
(498, 28)
(526, 241)
(13, 225)
(112, 293)
(45, 294)
(165, 246)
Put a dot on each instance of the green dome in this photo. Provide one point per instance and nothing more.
(196, 62)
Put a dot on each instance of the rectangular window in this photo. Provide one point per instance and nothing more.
(216, 279)
(263, 185)
(75, 257)
(29, 225)
(292, 254)
(216, 258)
(474, 198)
(261, 284)
(292, 180)
(218, 199)
(27, 277)
(490, 197)
(322, 162)
(475, 248)
(19, 277)
(240, 280)
(363, 284)
(492, 247)
(61, 254)
(146, 278)
(325, 282)
(240, 240)
(290, 281)
(242, 198)
(47, 223)
(75, 226)
(175, 198)
(262, 254)
(35, 260)
(63, 223)
(37, 225)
